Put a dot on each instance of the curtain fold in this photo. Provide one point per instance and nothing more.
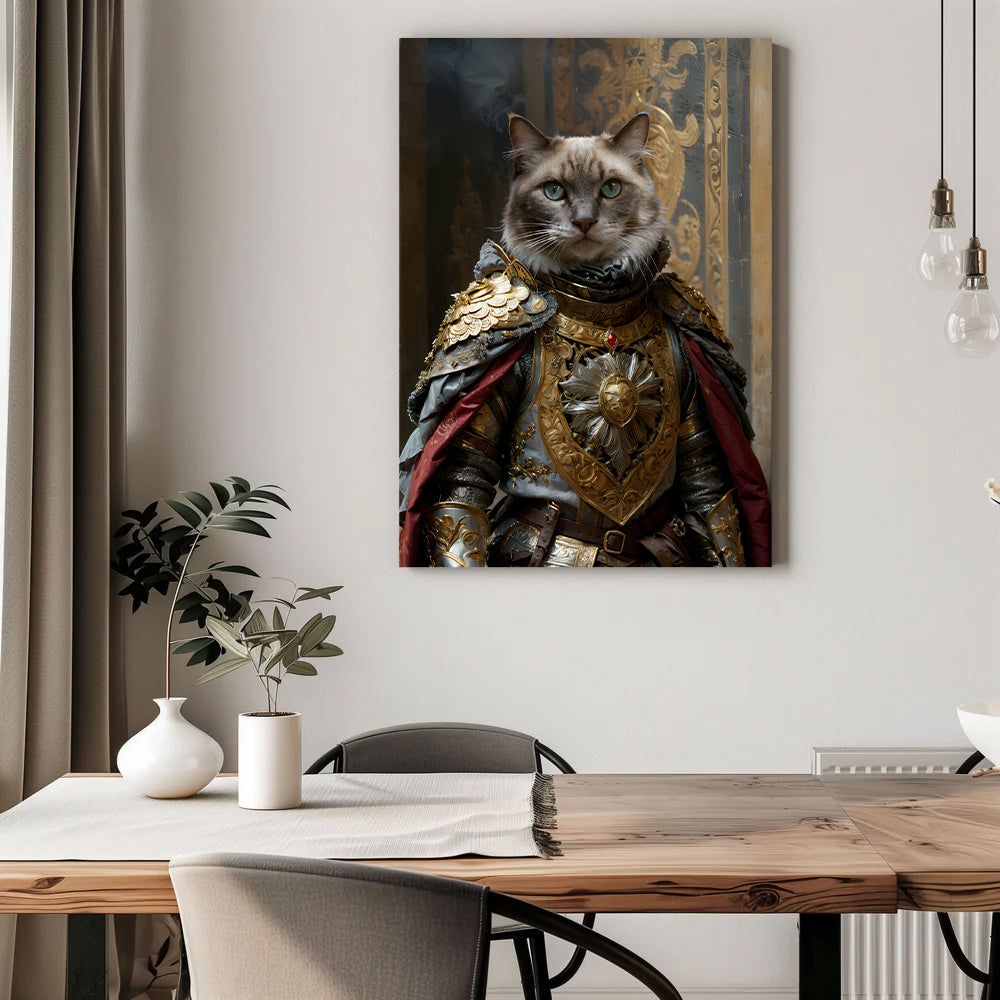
(61, 683)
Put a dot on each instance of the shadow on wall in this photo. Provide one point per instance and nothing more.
(780, 349)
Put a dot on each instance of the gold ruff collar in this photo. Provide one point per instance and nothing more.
(609, 324)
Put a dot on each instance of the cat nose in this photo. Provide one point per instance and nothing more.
(584, 224)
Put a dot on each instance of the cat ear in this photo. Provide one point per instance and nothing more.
(528, 143)
(631, 138)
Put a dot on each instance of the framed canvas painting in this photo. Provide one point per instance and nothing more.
(585, 302)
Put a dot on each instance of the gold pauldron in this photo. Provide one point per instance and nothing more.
(723, 522)
(503, 300)
(455, 534)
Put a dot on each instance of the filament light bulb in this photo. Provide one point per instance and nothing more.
(973, 324)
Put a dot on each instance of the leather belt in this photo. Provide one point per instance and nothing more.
(622, 541)
(548, 528)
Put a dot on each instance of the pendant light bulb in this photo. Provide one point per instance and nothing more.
(973, 324)
(941, 254)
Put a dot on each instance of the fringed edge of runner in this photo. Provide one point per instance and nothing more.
(543, 804)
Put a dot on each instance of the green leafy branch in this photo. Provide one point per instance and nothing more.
(156, 554)
(272, 649)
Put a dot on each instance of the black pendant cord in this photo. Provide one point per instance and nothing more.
(942, 90)
(974, 232)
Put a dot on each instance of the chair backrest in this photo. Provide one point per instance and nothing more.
(259, 927)
(439, 746)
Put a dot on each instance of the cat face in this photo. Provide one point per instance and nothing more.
(581, 200)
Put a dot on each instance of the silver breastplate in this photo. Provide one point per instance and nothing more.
(602, 416)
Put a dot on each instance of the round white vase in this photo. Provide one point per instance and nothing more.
(170, 758)
(270, 764)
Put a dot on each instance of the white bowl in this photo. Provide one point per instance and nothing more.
(981, 722)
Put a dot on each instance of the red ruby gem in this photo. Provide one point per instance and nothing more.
(612, 340)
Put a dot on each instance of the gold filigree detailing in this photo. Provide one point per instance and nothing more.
(616, 491)
(441, 531)
(485, 304)
(634, 71)
(438, 364)
(593, 331)
(635, 77)
(455, 535)
(602, 398)
(528, 468)
(566, 551)
(685, 243)
(666, 145)
(686, 306)
(716, 172)
(724, 528)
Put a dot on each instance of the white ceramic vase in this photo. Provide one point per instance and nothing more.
(270, 765)
(170, 758)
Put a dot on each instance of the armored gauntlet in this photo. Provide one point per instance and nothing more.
(706, 492)
(455, 534)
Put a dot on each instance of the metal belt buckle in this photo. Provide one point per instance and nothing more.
(608, 539)
(678, 525)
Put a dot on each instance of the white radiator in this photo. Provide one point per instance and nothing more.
(902, 956)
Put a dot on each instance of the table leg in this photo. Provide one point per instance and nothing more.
(819, 956)
(86, 956)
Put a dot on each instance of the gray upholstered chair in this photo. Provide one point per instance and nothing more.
(260, 927)
(430, 747)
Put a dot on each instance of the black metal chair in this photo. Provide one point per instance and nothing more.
(260, 927)
(990, 978)
(463, 747)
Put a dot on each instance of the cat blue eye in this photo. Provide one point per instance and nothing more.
(611, 189)
(553, 191)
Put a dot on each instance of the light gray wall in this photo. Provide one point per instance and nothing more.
(263, 298)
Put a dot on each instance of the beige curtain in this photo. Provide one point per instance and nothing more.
(61, 684)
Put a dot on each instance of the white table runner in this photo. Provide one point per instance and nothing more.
(342, 816)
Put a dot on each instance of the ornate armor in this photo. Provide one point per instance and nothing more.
(455, 535)
(592, 448)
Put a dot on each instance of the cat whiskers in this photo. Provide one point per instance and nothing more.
(542, 244)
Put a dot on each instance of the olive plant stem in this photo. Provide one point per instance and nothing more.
(177, 591)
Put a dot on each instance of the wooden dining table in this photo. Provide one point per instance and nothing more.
(661, 843)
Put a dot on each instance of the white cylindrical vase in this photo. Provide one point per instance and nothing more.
(170, 758)
(270, 760)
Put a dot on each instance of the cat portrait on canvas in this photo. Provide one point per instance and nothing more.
(580, 406)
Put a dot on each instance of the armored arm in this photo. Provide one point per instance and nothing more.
(702, 480)
(705, 489)
(456, 528)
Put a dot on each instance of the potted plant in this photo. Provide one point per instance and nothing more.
(270, 742)
(170, 758)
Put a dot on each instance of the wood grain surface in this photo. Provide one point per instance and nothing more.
(631, 844)
(940, 833)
